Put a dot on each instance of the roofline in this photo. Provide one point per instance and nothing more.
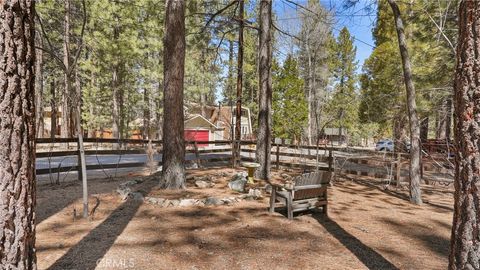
(198, 115)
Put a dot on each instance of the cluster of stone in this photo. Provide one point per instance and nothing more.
(162, 202)
(125, 191)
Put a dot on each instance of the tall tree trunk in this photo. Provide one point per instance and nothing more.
(415, 191)
(424, 129)
(264, 133)
(173, 173)
(53, 116)
(309, 95)
(448, 124)
(465, 240)
(116, 90)
(77, 108)
(238, 109)
(66, 104)
(231, 70)
(17, 135)
(39, 90)
(146, 114)
(399, 123)
(441, 121)
(158, 113)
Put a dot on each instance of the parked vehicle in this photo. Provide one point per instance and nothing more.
(384, 145)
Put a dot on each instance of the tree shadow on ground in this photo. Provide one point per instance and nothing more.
(87, 253)
(420, 232)
(369, 257)
(57, 197)
(398, 195)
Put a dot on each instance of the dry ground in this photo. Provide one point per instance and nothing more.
(368, 227)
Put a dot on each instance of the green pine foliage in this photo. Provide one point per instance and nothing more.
(290, 110)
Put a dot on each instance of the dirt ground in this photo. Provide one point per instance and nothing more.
(368, 228)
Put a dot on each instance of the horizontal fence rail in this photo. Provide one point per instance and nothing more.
(308, 155)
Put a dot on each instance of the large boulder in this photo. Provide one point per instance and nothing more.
(238, 182)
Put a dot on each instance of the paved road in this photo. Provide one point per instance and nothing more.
(67, 161)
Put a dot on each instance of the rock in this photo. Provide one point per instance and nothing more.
(153, 200)
(166, 203)
(136, 196)
(238, 182)
(268, 188)
(202, 184)
(200, 202)
(128, 183)
(253, 194)
(124, 192)
(213, 201)
(192, 165)
(256, 193)
(187, 202)
(226, 201)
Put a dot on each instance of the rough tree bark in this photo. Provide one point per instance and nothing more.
(448, 125)
(441, 121)
(65, 128)
(146, 114)
(53, 116)
(116, 93)
(424, 129)
(173, 173)
(415, 191)
(39, 89)
(465, 240)
(17, 135)
(238, 109)
(264, 133)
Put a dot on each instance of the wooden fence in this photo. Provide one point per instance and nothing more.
(131, 146)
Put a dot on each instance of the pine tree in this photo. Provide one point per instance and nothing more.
(173, 172)
(343, 103)
(264, 130)
(465, 240)
(17, 135)
(289, 104)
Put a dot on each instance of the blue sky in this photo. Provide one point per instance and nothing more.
(359, 20)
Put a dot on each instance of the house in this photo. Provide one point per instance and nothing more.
(202, 123)
(223, 118)
(199, 128)
(336, 136)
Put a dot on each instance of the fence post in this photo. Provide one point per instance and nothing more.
(79, 162)
(82, 167)
(330, 160)
(234, 163)
(278, 156)
(197, 155)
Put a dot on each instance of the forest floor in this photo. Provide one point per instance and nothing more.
(368, 227)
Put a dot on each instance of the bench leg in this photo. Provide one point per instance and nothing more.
(289, 206)
(325, 210)
(273, 197)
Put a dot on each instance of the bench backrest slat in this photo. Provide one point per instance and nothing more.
(311, 185)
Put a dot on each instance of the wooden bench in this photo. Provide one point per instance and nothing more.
(308, 191)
